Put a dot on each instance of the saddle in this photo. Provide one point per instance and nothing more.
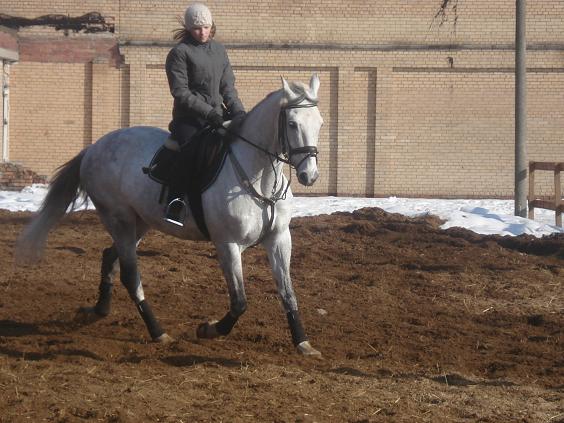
(195, 167)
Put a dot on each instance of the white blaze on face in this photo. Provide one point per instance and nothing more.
(304, 125)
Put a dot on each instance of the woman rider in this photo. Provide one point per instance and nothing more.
(203, 86)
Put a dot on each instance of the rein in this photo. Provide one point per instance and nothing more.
(287, 152)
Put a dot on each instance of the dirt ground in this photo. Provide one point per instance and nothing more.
(414, 323)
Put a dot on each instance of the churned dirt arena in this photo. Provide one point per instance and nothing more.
(415, 324)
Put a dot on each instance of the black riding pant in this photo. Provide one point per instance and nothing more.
(182, 131)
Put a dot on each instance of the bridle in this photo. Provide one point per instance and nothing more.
(287, 150)
(287, 153)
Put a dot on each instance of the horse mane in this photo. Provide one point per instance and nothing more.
(264, 100)
(298, 88)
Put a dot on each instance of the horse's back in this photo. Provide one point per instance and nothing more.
(114, 163)
(134, 141)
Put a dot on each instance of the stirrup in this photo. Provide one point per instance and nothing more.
(175, 212)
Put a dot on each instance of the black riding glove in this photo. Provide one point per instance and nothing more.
(239, 115)
(215, 119)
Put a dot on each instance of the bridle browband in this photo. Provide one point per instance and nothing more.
(287, 153)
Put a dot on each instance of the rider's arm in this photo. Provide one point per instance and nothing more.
(228, 90)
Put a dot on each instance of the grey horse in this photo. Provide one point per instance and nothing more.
(249, 203)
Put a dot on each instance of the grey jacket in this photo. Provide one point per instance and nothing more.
(201, 79)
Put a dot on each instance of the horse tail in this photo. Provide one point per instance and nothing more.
(64, 191)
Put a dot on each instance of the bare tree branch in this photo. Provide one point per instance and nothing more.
(445, 9)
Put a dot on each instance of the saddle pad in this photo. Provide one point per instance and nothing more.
(202, 159)
(197, 166)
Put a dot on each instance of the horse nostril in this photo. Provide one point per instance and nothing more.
(302, 177)
(315, 176)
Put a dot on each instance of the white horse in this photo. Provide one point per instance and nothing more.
(249, 203)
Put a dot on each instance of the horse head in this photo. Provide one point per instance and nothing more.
(299, 126)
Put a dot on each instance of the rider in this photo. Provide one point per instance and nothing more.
(203, 86)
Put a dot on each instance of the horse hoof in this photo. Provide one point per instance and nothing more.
(98, 311)
(306, 349)
(207, 330)
(87, 315)
(93, 310)
(164, 339)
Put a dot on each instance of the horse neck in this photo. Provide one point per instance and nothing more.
(260, 127)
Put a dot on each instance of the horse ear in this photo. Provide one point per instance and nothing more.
(314, 84)
(290, 95)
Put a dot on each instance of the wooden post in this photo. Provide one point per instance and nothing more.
(556, 202)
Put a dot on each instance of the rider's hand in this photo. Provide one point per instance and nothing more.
(239, 115)
(215, 119)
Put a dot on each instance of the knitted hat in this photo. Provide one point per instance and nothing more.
(196, 15)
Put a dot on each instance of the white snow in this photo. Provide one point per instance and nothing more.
(481, 216)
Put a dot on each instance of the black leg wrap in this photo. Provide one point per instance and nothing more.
(102, 307)
(109, 256)
(296, 328)
(146, 313)
(225, 325)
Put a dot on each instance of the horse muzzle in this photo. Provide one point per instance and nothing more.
(308, 178)
(306, 169)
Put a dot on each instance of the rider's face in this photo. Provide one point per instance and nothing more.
(201, 33)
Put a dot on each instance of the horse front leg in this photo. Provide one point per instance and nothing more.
(279, 249)
(229, 256)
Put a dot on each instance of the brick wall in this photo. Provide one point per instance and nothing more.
(411, 107)
(50, 113)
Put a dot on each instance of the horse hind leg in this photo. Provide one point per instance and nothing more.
(108, 271)
(230, 260)
(126, 245)
(126, 231)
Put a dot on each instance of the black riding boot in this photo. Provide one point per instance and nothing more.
(175, 211)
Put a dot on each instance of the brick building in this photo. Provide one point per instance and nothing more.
(412, 107)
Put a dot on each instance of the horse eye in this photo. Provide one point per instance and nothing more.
(292, 124)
